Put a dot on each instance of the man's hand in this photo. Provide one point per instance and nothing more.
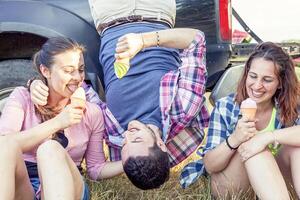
(255, 145)
(69, 116)
(129, 45)
(39, 92)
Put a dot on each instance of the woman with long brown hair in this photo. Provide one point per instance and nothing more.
(262, 152)
(44, 146)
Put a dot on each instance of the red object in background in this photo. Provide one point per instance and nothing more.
(297, 60)
(239, 36)
(225, 19)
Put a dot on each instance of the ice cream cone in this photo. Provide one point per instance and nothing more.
(249, 112)
(248, 108)
(78, 102)
(78, 98)
(121, 67)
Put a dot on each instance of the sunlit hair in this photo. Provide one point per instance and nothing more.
(46, 57)
(288, 91)
(148, 172)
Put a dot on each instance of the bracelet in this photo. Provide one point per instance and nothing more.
(231, 147)
(157, 39)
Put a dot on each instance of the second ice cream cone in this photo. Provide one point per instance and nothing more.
(121, 67)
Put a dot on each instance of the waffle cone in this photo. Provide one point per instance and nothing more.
(249, 112)
(78, 102)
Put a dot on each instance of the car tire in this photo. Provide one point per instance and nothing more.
(13, 73)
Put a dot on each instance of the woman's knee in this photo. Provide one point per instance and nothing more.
(258, 159)
(9, 146)
(265, 153)
(50, 149)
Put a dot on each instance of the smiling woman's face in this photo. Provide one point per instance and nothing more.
(262, 82)
(66, 74)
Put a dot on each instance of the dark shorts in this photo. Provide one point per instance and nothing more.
(35, 182)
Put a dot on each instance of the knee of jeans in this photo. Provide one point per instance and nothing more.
(50, 149)
(9, 146)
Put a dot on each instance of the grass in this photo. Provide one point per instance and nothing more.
(119, 188)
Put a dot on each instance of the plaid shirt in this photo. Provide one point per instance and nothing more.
(182, 103)
(223, 121)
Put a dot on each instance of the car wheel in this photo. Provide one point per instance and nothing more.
(14, 73)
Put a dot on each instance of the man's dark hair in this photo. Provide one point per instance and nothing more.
(148, 172)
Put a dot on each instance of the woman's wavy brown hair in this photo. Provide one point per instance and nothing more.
(45, 57)
(287, 94)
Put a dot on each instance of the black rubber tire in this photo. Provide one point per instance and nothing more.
(13, 73)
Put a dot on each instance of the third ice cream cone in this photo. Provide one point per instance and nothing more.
(248, 108)
(249, 112)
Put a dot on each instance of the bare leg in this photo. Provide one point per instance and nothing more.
(14, 181)
(231, 180)
(289, 162)
(283, 161)
(265, 177)
(59, 175)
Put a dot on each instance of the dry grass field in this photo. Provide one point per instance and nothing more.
(120, 188)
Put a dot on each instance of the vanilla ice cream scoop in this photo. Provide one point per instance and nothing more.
(248, 108)
(78, 97)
